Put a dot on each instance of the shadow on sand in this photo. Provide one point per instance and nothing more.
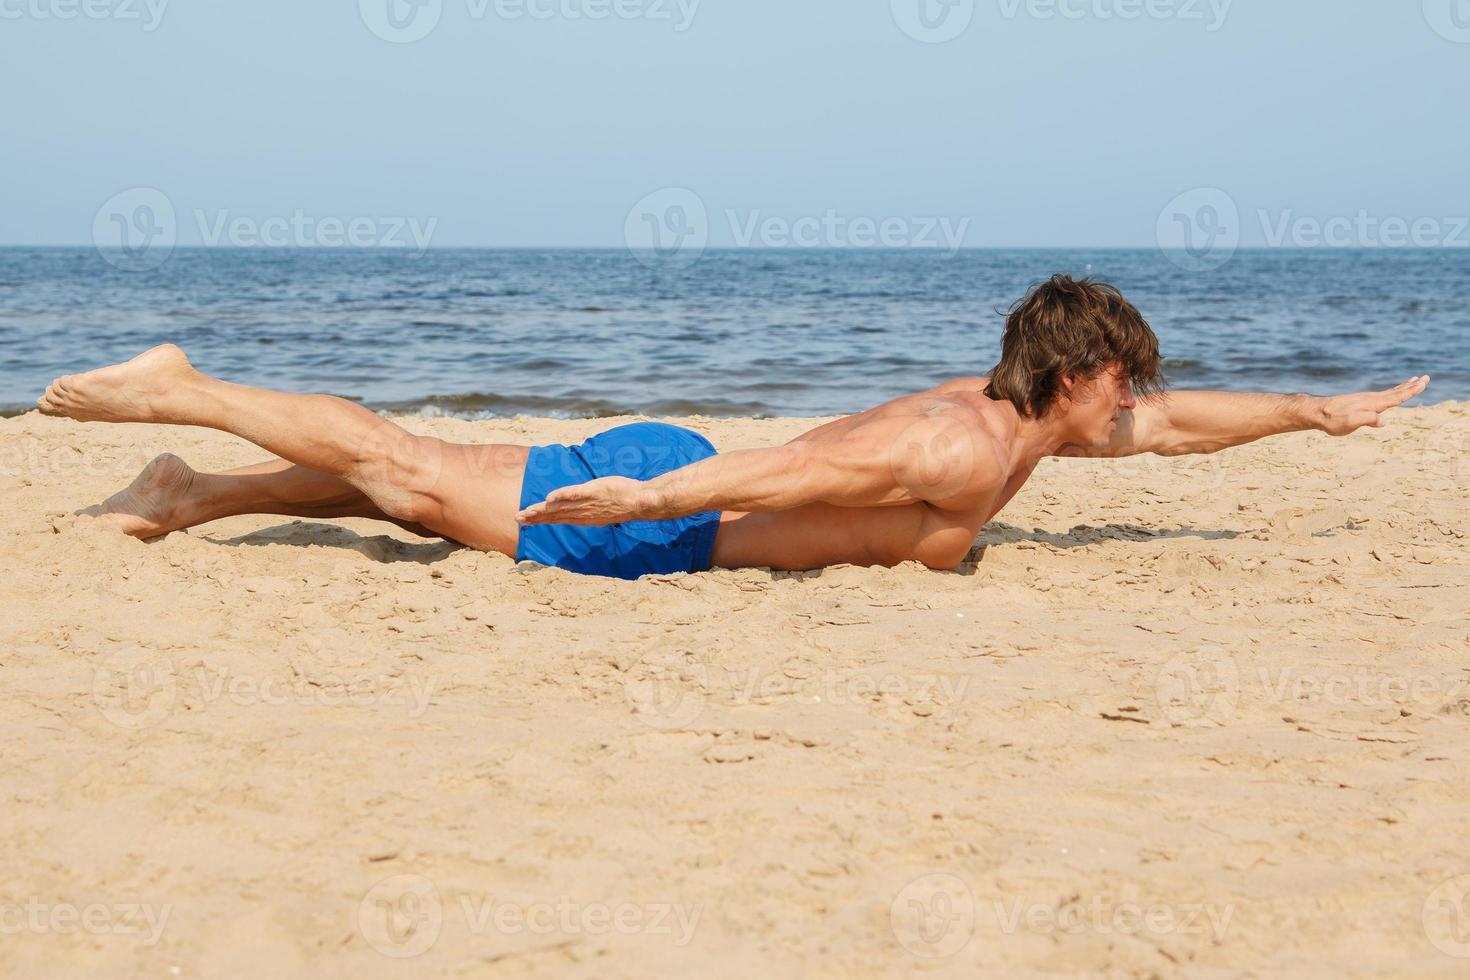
(308, 534)
(1083, 535)
(388, 550)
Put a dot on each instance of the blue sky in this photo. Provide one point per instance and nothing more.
(1042, 123)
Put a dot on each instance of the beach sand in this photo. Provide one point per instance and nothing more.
(1203, 717)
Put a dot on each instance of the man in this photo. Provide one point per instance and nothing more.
(914, 479)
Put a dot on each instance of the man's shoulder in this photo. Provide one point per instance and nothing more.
(976, 385)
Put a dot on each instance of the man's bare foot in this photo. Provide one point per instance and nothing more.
(126, 392)
(155, 503)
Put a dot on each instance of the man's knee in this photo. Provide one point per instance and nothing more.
(401, 472)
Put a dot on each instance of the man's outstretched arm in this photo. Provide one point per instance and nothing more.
(1183, 422)
(890, 462)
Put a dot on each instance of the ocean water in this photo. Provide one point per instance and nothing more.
(596, 332)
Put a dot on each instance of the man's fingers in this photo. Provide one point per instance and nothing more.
(1409, 389)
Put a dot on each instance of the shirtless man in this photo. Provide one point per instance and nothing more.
(914, 479)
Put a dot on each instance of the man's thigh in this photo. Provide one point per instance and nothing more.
(472, 493)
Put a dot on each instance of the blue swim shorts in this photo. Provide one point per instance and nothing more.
(640, 451)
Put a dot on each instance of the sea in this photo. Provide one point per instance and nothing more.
(593, 333)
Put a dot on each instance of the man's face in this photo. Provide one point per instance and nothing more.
(1098, 404)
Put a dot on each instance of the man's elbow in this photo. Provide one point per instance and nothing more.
(946, 553)
(1168, 441)
(1183, 446)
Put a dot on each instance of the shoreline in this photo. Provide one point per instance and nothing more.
(431, 411)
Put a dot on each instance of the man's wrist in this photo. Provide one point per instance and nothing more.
(1311, 412)
(652, 502)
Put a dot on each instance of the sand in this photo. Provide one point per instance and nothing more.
(1205, 717)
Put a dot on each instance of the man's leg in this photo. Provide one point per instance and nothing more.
(467, 493)
(168, 496)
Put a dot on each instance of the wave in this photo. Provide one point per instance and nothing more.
(482, 405)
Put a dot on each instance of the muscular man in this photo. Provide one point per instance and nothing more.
(913, 479)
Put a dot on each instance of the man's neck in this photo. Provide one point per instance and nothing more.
(1035, 439)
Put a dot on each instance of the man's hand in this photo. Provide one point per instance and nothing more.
(610, 500)
(1180, 423)
(1345, 414)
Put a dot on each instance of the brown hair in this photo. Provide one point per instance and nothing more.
(1071, 326)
